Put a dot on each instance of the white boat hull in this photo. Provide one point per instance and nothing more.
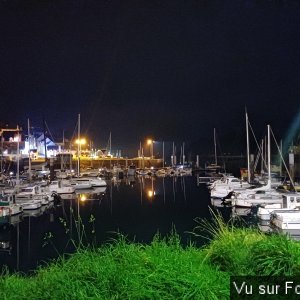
(32, 204)
(289, 220)
(254, 202)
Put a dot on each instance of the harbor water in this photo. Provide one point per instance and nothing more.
(135, 207)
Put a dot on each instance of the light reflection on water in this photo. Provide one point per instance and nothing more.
(137, 207)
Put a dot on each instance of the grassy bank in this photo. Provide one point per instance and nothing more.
(248, 251)
(161, 270)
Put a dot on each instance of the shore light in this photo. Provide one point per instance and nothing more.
(83, 197)
(80, 141)
(150, 144)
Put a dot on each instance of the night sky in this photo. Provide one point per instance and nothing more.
(170, 70)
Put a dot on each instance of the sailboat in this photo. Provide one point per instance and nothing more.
(213, 167)
(260, 195)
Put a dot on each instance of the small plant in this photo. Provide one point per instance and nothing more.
(79, 240)
(48, 240)
(229, 247)
(277, 255)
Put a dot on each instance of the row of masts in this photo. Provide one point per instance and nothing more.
(265, 151)
(173, 157)
(182, 158)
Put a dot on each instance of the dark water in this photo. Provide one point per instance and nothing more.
(136, 207)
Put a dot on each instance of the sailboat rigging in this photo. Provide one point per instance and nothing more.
(214, 167)
(78, 146)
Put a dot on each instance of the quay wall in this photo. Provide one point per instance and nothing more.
(109, 163)
(232, 163)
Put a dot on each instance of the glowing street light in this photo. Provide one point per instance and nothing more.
(150, 143)
(83, 197)
(150, 193)
(80, 141)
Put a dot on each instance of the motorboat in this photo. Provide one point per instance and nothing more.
(30, 204)
(184, 170)
(61, 187)
(8, 205)
(286, 221)
(90, 172)
(264, 211)
(97, 182)
(229, 181)
(257, 199)
(81, 183)
(221, 188)
(131, 170)
(34, 192)
(63, 174)
(290, 202)
(161, 172)
(144, 172)
(4, 211)
(257, 196)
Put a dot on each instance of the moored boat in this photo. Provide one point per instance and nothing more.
(59, 187)
(290, 202)
(9, 206)
(287, 221)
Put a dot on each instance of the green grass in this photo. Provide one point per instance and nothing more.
(122, 270)
(162, 270)
(247, 251)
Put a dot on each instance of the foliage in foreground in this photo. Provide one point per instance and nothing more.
(248, 251)
(162, 270)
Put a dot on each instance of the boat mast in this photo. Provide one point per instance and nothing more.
(173, 156)
(262, 157)
(110, 143)
(248, 150)
(280, 163)
(62, 153)
(163, 154)
(215, 144)
(140, 150)
(29, 157)
(18, 157)
(269, 156)
(180, 155)
(45, 141)
(183, 156)
(78, 146)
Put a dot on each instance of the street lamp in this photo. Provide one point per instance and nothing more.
(18, 139)
(80, 142)
(150, 143)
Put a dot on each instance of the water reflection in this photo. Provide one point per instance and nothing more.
(138, 207)
(133, 204)
(151, 187)
(241, 212)
(130, 180)
(5, 237)
(93, 194)
(18, 235)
